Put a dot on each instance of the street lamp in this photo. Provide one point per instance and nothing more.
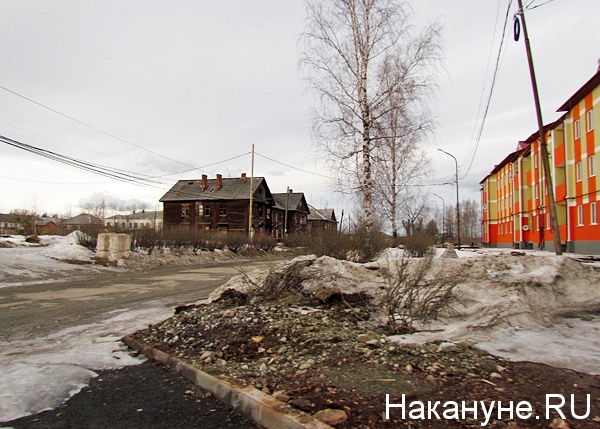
(443, 217)
(457, 207)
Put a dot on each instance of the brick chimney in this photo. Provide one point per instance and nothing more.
(243, 179)
(219, 182)
(204, 182)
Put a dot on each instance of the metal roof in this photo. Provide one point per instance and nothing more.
(231, 189)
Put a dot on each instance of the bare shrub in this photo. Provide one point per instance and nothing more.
(86, 240)
(358, 245)
(418, 244)
(411, 292)
(177, 239)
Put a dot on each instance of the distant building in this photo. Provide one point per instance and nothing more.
(12, 223)
(49, 226)
(515, 204)
(321, 219)
(141, 220)
(83, 222)
(220, 204)
(297, 210)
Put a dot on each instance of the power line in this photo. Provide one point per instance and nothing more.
(92, 127)
(487, 69)
(74, 145)
(295, 168)
(112, 173)
(528, 7)
(54, 183)
(494, 78)
(204, 166)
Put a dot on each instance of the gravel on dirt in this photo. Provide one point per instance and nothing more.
(319, 354)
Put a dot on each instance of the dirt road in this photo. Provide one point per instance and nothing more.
(55, 337)
(46, 308)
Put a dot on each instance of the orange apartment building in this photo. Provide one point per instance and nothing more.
(515, 205)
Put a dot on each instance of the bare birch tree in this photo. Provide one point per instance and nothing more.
(347, 47)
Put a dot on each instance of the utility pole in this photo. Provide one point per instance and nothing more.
(542, 136)
(250, 211)
(457, 206)
(285, 220)
(443, 217)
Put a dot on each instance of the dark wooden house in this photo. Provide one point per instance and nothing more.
(221, 204)
(297, 212)
(321, 219)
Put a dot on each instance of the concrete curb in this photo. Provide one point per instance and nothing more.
(263, 408)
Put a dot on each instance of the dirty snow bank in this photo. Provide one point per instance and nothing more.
(539, 308)
(53, 259)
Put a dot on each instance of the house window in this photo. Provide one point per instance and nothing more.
(222, 209)
(576, 129)
(580, 215)
(578, 171)
(594, 213)
(207, 210)
(590, 120)
(185, 211)
(200, 209)
(592, 165)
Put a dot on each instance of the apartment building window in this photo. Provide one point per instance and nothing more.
(578, 171)
(576, 129)
(548, 221)
(590, 120)
(537, 190)
(535, 160)
(579, 215)
(592, 165)
(594, 213)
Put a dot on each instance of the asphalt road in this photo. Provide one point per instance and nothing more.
(45, 308)
(148, 396)
(28, 314)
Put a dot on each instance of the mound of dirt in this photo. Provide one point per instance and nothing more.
(309, 333)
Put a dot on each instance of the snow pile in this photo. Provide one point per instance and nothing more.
(40, 373)
(503, 302)
(54, 258)
(313, 275)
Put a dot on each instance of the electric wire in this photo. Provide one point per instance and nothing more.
(92, 127)
(528, 7)
(74, 145)
(493, 84)
(487, 70)
(113, 173)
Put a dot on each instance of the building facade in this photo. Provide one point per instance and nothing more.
(515, 203)
(220, 204)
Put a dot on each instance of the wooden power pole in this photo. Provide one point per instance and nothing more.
(542, 136)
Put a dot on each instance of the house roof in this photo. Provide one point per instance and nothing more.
(327, 215)
(141, 215)
(13, 217)
(83, 219)
(523, 147)
(581, 92)
(296, 201)
(45, 220)
(232, 189)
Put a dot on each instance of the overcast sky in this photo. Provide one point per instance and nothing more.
(197, 82)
